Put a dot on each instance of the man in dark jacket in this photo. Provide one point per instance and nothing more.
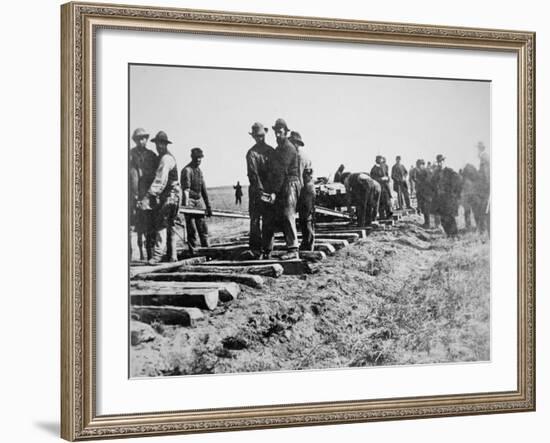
(194, 189)
(257, 160)
(306, 199)
(424, 191)
(143, 164)
(446, 184)
(238, 193)
(399, 177)
(163, 197)
(380, 174)
(485, 177)
(364, 193)
(285, 184)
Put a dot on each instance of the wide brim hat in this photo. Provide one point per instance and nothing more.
(197, 153)
(258, 129)
(296, 138)
(138, 133)
(161, 137)
(280, 123)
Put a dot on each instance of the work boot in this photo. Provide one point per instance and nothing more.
(250, 255)
(154, 261)
(290, 255)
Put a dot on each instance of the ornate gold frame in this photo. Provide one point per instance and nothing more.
(78, 416)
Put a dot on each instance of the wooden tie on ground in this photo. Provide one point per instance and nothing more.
(266, 269)
(323, 245)
(144, 269)
(169, 315)
(291, 267)
(188, 298)
(227, 291)
(254, 281)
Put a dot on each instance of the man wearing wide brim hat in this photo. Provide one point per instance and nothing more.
(285, 182)
(195, 196)
(399, 176)
(164, 197)
(424, 190)
(447, 188)
(379, 173)
(142, 167)
(258, 159)
(306, 199)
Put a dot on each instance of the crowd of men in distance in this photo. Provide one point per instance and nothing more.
(281, 188)
(439, 191)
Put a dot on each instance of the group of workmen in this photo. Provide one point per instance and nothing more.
(281, 190)
(156, 193)
(439, 191)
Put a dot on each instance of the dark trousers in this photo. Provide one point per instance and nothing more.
(449, 225)
(308, 231)
(256, 212)
(145, 230)
(238, 200)
(423, 204)
(195, 225)
(384, 208)
(402, 194)
(282, 217)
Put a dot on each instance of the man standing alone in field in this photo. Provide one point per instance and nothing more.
(194, 189)
(257, 160)
(163, 197)
(238, 193)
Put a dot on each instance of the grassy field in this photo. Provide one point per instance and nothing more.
(409, 296)
(223, 198)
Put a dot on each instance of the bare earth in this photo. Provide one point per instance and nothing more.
(406, 296)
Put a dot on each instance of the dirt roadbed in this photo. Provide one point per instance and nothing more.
(405, 296)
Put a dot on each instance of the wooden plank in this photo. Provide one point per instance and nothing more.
(331, 213)
(171, 315)
(165, 267)
(318, 246)
(221, 252)
(189, 298)
(215, 213)
(350, 237)
(362, 232)
(335, 243)
(310, 256)
(291, 267)
(254, 281)
(227, 291)
(267, 270)
(333, 224)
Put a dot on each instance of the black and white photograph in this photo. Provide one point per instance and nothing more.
(285, 221)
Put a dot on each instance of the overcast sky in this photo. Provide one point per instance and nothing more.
(342, 118)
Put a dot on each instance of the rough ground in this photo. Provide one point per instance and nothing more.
(408, 296)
